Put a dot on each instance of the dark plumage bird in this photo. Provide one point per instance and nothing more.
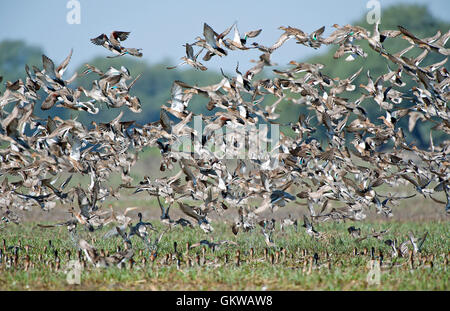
(113, 44)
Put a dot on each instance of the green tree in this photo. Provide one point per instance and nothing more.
(14, 55)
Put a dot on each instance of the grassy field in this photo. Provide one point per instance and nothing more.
(287, 266)
(292, 267)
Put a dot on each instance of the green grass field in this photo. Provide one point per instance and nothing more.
(291, 268)
(340, 270)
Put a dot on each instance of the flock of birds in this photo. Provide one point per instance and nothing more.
(42, 155)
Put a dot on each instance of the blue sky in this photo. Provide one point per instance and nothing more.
(161, 27)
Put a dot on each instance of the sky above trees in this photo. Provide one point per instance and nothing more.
(161, 27)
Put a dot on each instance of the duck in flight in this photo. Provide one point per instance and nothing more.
(113, 44)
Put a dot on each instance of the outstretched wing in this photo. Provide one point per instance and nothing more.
(165, 121)
(189, 210)
(253, 33)
(208, 32)
(49, 66)
(61, 68)
(120, 35)
(100, 40)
